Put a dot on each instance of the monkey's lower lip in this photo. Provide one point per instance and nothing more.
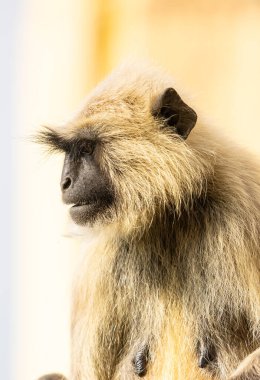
(82, 212)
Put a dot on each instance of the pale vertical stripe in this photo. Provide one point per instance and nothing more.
(54, 69)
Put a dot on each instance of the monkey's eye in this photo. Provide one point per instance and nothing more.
(86, 148)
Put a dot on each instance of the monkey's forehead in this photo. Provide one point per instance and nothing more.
(108, 125)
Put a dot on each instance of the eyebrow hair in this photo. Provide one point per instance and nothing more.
(53, 140)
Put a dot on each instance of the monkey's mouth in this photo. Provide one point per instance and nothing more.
(85, 211)
(83, 204)
(89, 210)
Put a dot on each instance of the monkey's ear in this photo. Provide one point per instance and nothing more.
(177, 114)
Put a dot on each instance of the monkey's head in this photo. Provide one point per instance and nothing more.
(126, 153)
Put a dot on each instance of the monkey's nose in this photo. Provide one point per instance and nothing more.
(66, 183)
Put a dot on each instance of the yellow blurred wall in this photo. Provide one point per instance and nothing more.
(212, 48)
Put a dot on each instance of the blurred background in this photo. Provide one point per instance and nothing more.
(53, 53)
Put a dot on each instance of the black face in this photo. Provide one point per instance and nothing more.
(84, 186)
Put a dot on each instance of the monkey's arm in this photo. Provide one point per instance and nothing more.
(53, 376)
(249, 368)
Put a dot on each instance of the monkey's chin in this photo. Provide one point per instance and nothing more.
(83, 214)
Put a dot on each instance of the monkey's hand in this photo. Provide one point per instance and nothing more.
(53, 376)
(249, 368)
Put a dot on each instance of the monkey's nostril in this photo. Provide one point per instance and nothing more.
(66, 183)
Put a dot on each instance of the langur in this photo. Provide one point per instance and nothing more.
(169, 287)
